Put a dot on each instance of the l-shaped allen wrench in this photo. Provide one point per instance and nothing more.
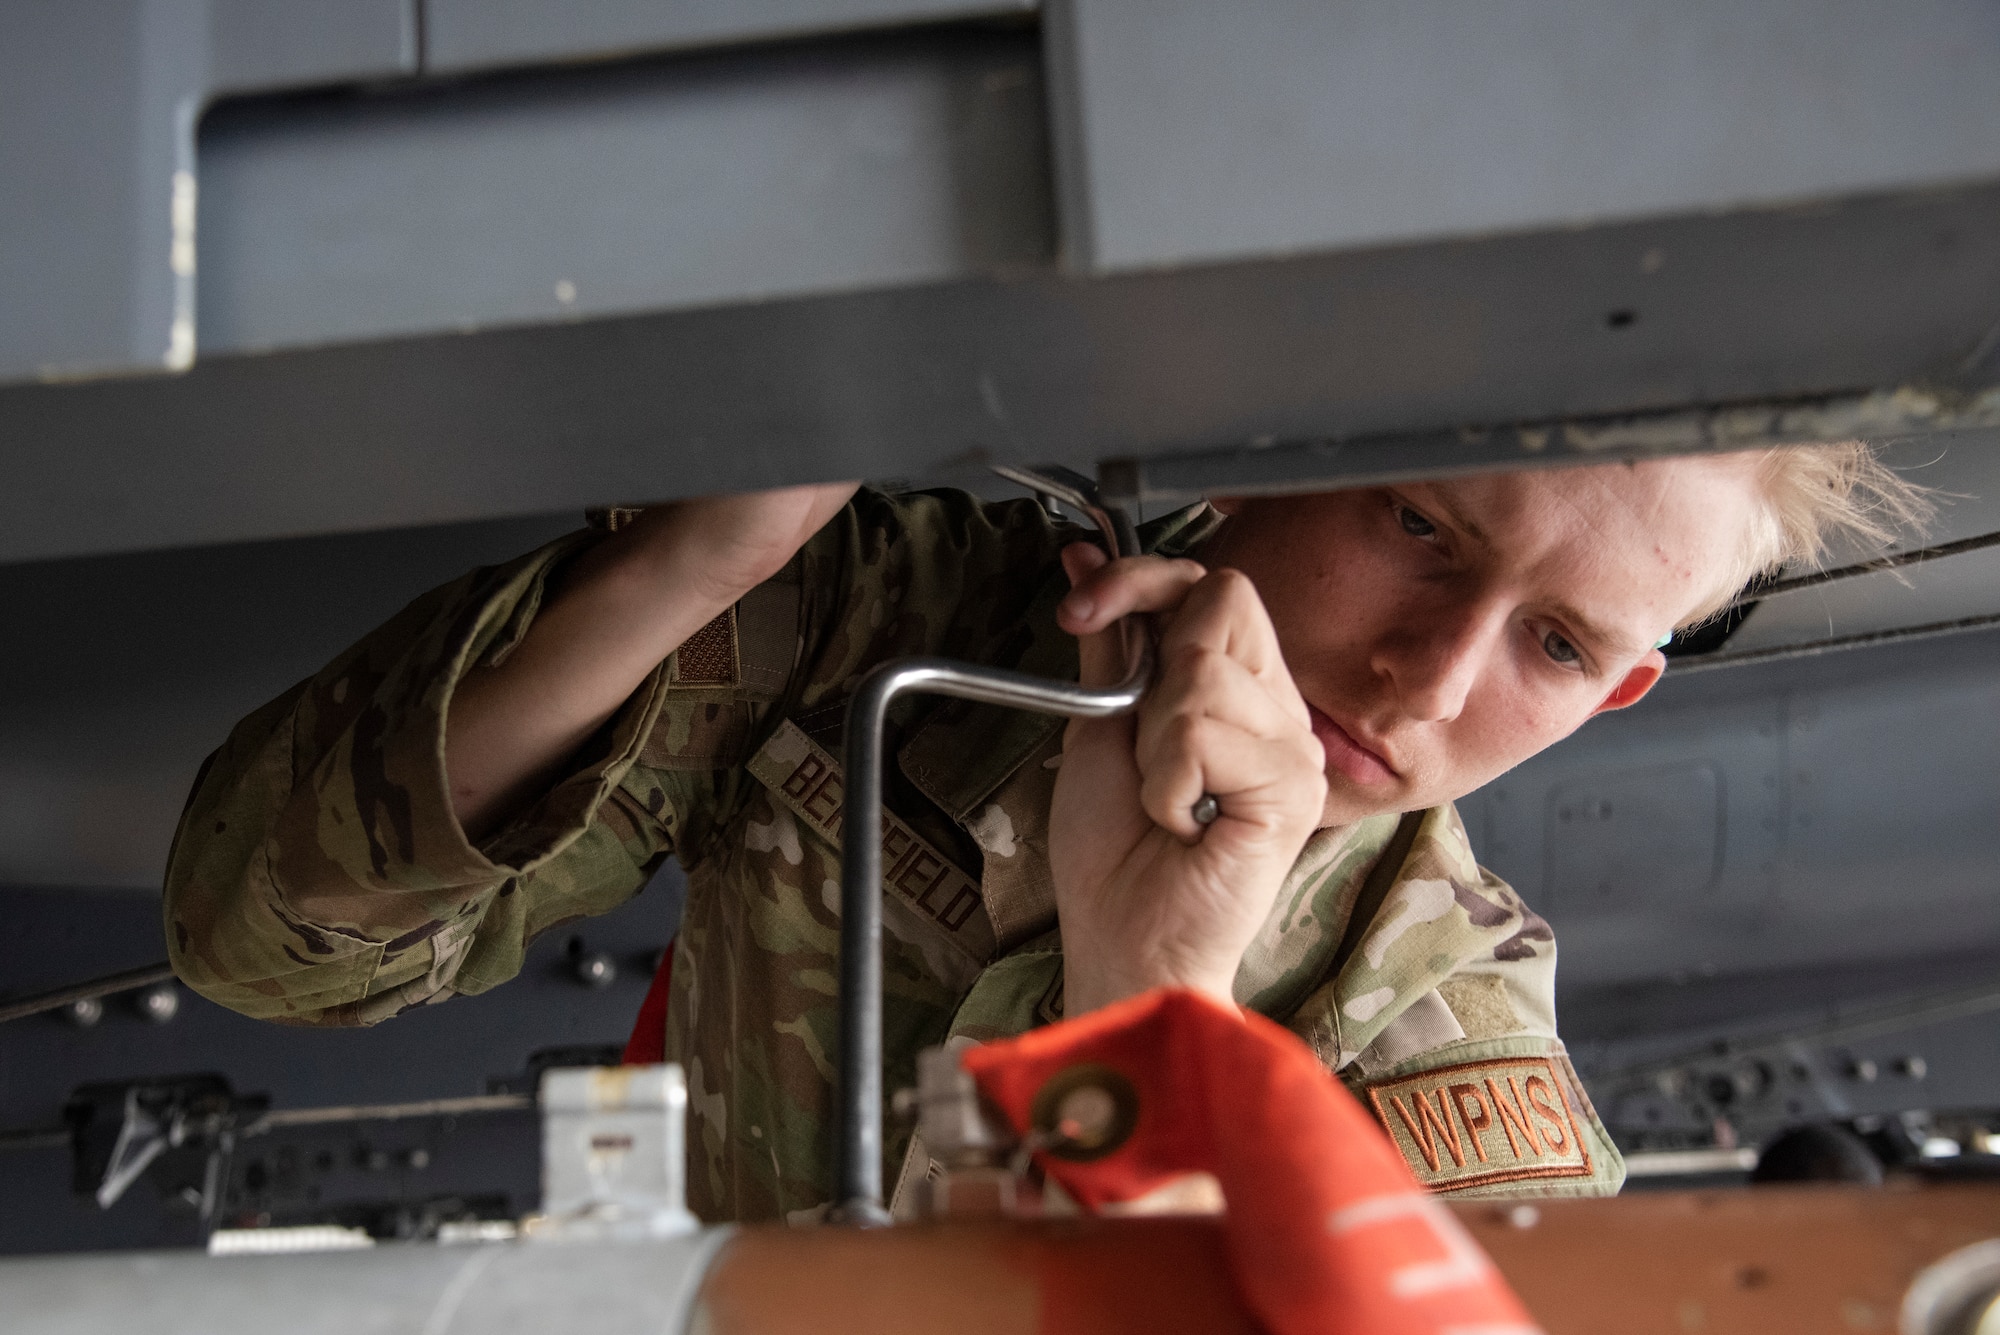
(859, 1190)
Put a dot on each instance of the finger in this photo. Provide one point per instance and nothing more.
(1265, 785)
(1101, 658)
(1099, 784)
(1199, 681)
(1114, 589)
(1223, 614)
(1099, 655)
(1100, 641)
(1261, 780)
(1080, 559)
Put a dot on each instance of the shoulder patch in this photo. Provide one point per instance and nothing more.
(1506, 1119)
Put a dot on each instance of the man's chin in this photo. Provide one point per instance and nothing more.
(1347, 803)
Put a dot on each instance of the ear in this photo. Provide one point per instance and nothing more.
(1632, 688)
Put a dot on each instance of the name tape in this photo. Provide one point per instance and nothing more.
(800, 773)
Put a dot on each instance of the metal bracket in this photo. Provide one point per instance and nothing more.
(196, 1113)
(613, 1154)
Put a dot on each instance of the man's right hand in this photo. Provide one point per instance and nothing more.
(611, 619)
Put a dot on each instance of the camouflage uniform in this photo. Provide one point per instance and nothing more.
(319, 876)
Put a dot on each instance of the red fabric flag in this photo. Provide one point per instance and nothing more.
(648, 1043)
(1327, 1230)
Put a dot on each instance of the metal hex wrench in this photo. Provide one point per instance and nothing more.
(859, 1190)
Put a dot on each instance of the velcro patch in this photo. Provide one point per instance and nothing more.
(707, 657)
(799, 773)
(1485, 1122)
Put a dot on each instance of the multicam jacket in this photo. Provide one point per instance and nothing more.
(319, 876)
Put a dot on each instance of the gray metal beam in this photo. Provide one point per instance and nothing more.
(1760, 306)
(1262, 468)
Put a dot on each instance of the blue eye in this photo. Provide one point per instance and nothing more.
(1560, 649)
(1415, 524)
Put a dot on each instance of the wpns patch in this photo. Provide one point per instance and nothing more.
(1481, 1123)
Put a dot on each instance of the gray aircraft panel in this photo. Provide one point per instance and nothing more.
(260, 44)
(1643, 1019)
(664, 186)
(1411, 120)
(464, 35)
(1191, 131)
(1857, 809)
(1963, 586)
(1663, 815)
(85, 272)
(98, 104)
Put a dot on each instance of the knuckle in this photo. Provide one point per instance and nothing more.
(1229, 582)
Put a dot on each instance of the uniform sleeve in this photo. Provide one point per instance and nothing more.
(319, 875)
(1473, 1085)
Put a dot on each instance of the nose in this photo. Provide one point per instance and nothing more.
(1435, 658)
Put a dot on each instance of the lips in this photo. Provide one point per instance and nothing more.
(1348, 757)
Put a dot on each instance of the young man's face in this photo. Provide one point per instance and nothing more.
(1443, 632)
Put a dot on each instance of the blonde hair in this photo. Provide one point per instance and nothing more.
(1816, 496)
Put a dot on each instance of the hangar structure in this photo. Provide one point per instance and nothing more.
(309, 307)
